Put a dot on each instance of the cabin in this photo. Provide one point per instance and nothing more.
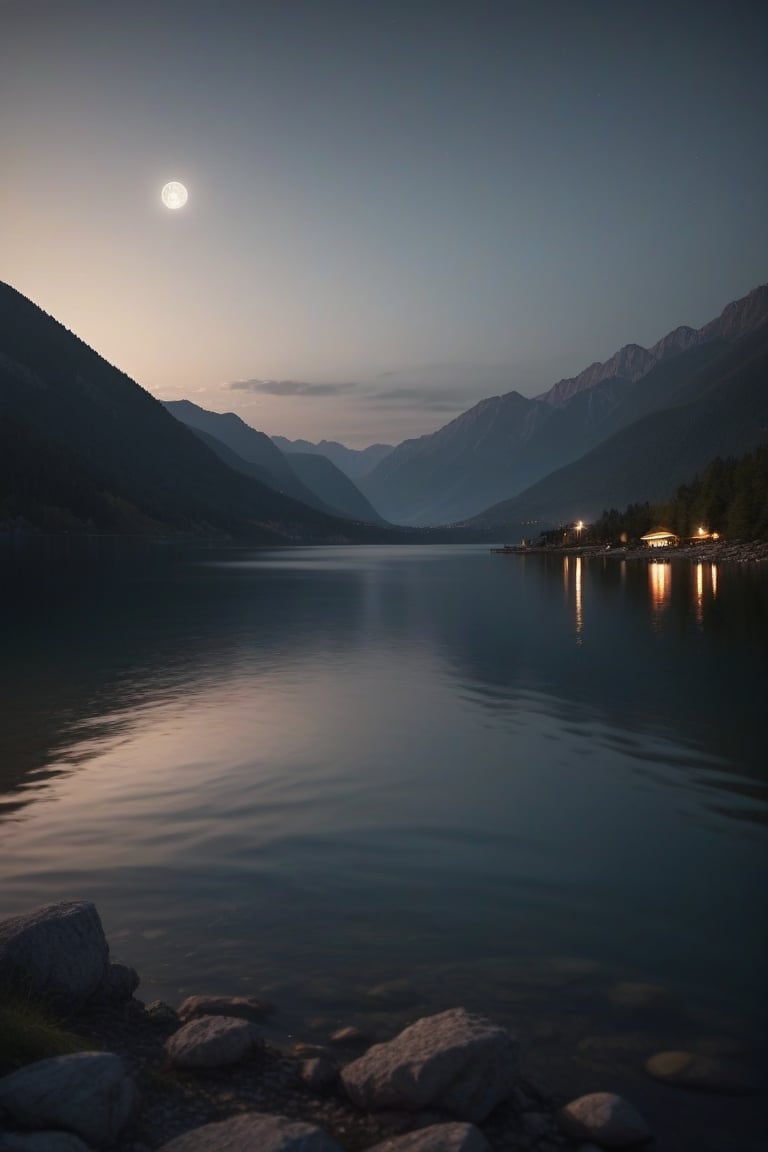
(660, 538)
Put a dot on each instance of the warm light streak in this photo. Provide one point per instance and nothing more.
(579, 613)
(714, 581)
(699, 593)
(660, 581)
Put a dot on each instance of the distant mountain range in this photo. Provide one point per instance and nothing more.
(313, 479)
(715, 404)
(351, 461)
(83, 447)
(505, 444)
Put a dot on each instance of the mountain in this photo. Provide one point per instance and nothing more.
(335, 489)
(352, 462)
(84, 447)
(246, 443)
(720, 408)
(506, 443)
(311, 478)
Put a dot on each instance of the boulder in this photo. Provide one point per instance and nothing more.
(59, 950)
(254, 1132)
(699, 1072)
(455, 1062)
(242, 1007)
(89, 1093)
(605, 1119)
(212, 1042)
(41, 1142)
(437, 1138)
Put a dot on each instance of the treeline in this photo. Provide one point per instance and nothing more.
(730, 497)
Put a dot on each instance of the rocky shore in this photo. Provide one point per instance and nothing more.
(201, 1077)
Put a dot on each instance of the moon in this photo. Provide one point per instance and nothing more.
(174, 195)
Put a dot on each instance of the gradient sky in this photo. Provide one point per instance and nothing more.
(396, 207)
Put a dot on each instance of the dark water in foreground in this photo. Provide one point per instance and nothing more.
(378, 782)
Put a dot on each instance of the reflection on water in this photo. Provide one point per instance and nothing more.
(660, 580)
(335, 767)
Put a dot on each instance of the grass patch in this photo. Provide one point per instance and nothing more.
(31, 1030)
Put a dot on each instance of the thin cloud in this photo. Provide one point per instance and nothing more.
(428, 397)
(290, 388)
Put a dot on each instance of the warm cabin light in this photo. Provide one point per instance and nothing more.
(702, 532)
(715, 535)
(579, 525)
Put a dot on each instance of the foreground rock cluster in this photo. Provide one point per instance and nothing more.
(201, 1078)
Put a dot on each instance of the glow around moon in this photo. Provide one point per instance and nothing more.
(174, 195)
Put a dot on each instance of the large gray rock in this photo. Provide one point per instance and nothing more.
(212, 1042)
(456, 1062)
(59, 950)
(243, 1007)
(437, 1138)
(89, 1093)
(254, 1132)
(605, 1119)
(41, 1142)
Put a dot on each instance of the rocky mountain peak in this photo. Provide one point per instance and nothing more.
(739, 317)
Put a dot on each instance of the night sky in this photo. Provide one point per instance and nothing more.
(396, 207)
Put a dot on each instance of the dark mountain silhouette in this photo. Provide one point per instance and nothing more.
(718, 409)
(248, 444)
(504, 444)
(352, 462)
(311, 478)
(85, 447)
(336, 489)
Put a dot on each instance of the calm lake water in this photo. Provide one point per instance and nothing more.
(372, 783)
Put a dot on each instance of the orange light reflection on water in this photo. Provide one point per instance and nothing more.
(660, 581)
(579, 613)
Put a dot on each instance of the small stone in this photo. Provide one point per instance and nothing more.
(161, 1013)
(254, 1132)
(698, 1072)
(604, 1118)
(437, 1138)
(241, 1007)
(319, 1072)
(308, 1050)
(212, 1042)
(348, 1035)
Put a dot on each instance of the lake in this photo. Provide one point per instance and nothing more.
(372, 783)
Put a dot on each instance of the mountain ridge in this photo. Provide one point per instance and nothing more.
(501, 445)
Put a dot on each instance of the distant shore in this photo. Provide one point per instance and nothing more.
(718, 551)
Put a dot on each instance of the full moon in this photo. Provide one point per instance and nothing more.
(174, 195)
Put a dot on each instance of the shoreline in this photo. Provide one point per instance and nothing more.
(136, 1077)
(720, 552)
